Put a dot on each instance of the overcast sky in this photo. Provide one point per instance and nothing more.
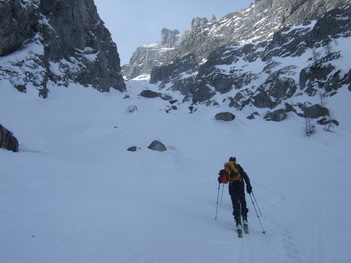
(134, 23)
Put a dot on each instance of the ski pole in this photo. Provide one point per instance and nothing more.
(222, 194)
(256, 203)
(264, 232)
(219, 186)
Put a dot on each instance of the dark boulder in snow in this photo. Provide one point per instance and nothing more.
(157, 146)
(253, 115)
(153, 94)
(315, 111)
(7, 140)
(225, 116)
(132, 149)
(277, 115)
(149, 94)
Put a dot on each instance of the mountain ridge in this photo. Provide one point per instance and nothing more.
(270, 76)
(308, 59)
(256, 23)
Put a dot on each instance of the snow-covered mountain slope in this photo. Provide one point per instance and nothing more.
(256, 23)
(75, 194)
(311, 59)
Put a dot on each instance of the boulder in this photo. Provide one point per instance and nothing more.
(157, 146)
(315, 111)
(8, 140)
(276, 116)
(132, 149)
(253, 115)
(149, 94)
(225, 116)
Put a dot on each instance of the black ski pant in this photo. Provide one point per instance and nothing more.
(237, 194)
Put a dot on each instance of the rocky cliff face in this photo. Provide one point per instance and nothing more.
(257, 23)
(298, 59)
(148, 56)
(56, 41)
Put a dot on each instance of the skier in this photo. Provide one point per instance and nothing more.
(236, 175)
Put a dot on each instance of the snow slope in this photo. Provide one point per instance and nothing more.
(75, 194)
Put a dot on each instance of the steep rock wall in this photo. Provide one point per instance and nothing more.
(60, 41)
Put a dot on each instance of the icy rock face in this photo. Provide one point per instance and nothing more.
(8, 140)
(57, 41)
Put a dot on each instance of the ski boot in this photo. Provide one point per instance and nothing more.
(239, 229)
(245, 224)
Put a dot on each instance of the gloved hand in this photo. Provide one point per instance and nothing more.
(219, 180)
(249, 189)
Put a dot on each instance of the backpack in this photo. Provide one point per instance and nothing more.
(223, 177)
(233, 171)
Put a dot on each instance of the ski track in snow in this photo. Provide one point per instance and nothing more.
(74, 194)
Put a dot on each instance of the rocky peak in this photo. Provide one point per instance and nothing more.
(169, 37)
(148, 56)
(60, 41)
(198, 22)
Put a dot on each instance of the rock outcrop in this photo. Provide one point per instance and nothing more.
(7, 140)
(57, 41)
(148, 56)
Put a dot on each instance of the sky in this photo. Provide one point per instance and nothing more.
(133, 23)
